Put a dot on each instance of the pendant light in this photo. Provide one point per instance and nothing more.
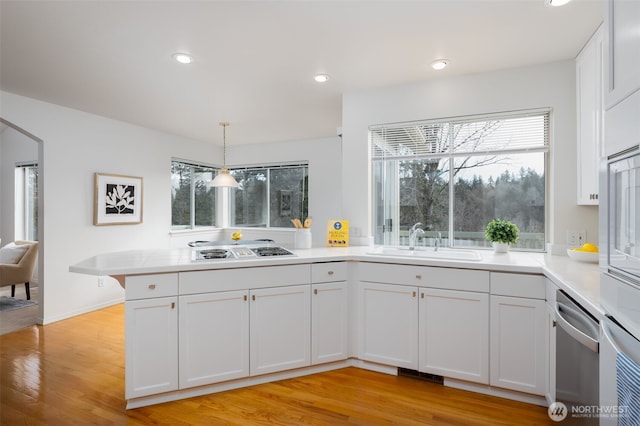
(224, 178)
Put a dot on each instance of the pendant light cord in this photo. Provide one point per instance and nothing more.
(224, 125)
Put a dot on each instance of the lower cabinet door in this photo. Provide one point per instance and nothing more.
(329, 322)
(214, 337)
(454, 334)
(280, 330)
(151, 341)
(388, 324)
(519, 345)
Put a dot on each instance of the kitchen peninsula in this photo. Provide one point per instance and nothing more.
(198, 327)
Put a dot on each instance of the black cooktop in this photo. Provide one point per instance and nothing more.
(271, 251)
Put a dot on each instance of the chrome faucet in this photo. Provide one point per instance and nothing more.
(438, 242)
(415, 232)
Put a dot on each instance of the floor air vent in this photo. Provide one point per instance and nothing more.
(423, 376)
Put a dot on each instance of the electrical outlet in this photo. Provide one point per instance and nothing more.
(576, 238)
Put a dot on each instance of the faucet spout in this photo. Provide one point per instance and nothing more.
(415, 232)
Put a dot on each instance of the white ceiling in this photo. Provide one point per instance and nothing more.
(254, 60)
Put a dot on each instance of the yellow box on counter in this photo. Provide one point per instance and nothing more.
(338, 233)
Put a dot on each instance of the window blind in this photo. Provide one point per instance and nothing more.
(487, 134)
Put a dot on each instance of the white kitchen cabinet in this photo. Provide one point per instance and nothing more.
(214, 337)
(590, 117)
(280, 328)
(329, 312)
(151, 341)
(388, 324)
(622, 52)
(519, 338)
(151, 334)
(454, 334)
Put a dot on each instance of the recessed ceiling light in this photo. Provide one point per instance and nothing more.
(558, 2)
(183, 58)
(321, 78)
(439, 64)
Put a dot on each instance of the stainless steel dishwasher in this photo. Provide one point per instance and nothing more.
(577, 365)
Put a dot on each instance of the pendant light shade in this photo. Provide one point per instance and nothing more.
(224, 178)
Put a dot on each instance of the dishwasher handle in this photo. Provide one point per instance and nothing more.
(584, 339)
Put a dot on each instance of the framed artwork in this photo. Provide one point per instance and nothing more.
(285, 202)
(117, 200)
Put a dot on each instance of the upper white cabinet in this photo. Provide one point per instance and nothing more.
(622, 52)
(589, 88)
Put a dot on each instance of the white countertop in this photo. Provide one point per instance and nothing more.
(580, 280)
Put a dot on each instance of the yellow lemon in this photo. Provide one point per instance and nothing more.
(236, 236)
(589, 247)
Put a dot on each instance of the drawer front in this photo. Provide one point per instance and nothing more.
(243, 278)
(425, 276)
(149, 286)
(328, 272)
(518, 285)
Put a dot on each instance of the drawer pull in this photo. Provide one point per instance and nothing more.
(418, 277)
(414, 294)
(421, 295)
(253, 297)
(152, 286)
(173, 305)
(315, 291)
(330, 272)
(245, 298)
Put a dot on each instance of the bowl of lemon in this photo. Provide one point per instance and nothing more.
(587, 253)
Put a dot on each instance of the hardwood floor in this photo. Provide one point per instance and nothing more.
(72, 372)
(18, 318)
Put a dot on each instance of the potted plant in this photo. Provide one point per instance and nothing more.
(502, 234)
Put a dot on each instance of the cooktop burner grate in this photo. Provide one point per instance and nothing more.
(214, 254)
(271, 251)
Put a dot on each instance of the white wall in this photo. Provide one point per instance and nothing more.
(77, 145)
(548, 85)
(14, 148)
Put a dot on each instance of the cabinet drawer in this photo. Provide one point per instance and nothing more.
(425, 276)
(328, 272)
(243, 278)
(518, 285)
(149, 286)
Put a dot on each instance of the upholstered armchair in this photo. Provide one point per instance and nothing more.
(17, 262)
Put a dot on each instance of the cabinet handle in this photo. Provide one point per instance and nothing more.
(152, 286)
(418, 277)
(330, 272)
(315, 291)
(253, 297)
(245, 297)
(414, 294)
(421, 295)
(173, 305)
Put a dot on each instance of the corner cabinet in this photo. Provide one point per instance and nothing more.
(151, 334)
(519, 340)
(590, 111)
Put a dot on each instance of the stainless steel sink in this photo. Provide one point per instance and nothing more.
(428, 253)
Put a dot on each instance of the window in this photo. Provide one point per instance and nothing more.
(453, 176)
(26, 201)
(193, 202)
(270, 196)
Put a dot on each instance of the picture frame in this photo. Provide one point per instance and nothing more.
(117, 199)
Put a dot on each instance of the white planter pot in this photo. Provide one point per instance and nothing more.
(500, 247)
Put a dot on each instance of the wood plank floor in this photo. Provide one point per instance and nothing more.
(72, 373)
